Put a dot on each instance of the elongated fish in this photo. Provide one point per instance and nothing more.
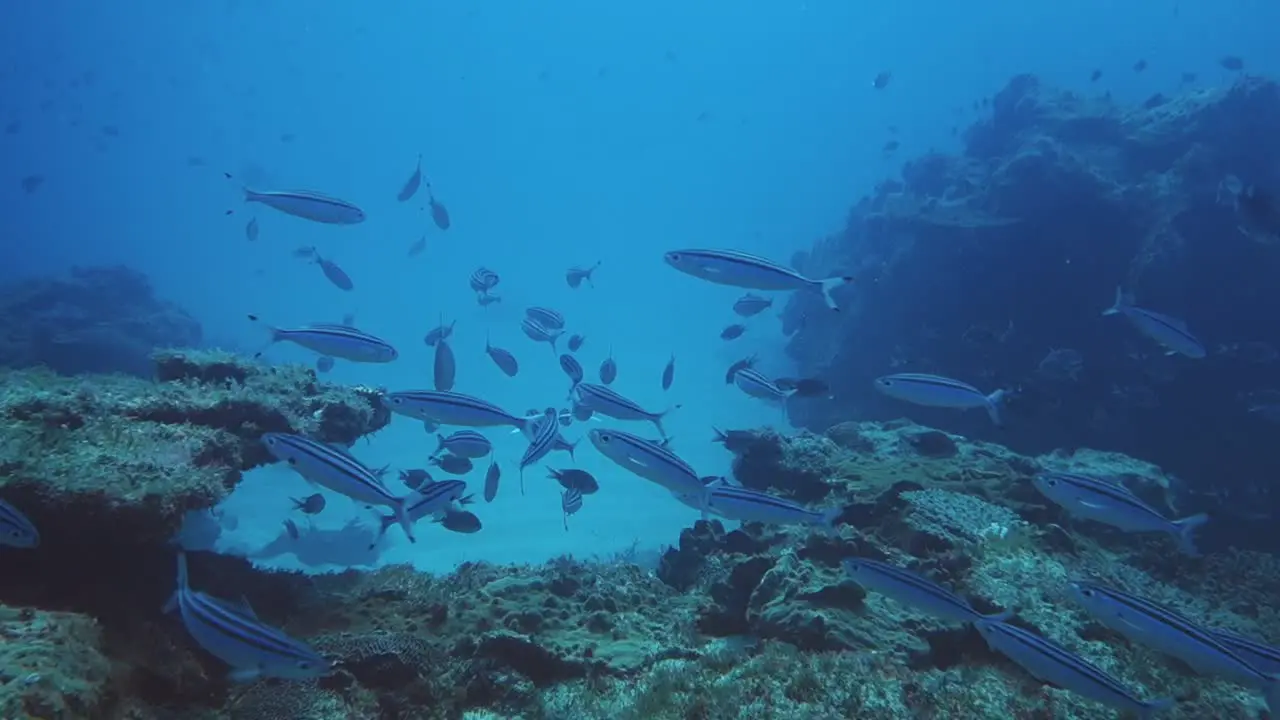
(1051, 663)
(410, 187)
(1169, 332)
(234, 634)
(606, 402)
(571, 367)
(1161, 629)
(1258, 654)
(16, 530)
(491, 478)
(432, 499)
(450, 408)
(753, 383)
(308, 206)
(647, 459)
(335, 341)
(730, 267)
(538, 332)
(466, 443)
(912, 589)
(337, 470)
(1113, 504)
(938, 391)
(743, 505)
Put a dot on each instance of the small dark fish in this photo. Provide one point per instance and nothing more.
(505, 361)
(310, 505)
(111, 131)
(572, 368)
(291, 528)
(411, 185)
(1231, 62)
(446, 367)
(1095, 76)
(575, 479)
(1140, 66)
(575, 343)
(743, 364)
(882, 80)
(582, 413)
(735, 440)
(483, 280)
(324, 364)
(251, 230)
(336, 275)
(669, 373)
(306, 252)
(491, 478)
(486, 299)
(460, 521)
(441, 332)
(890, 147)
(803, 387)
(733, 332)
(439, 213)
(415, 479)
(416, 249)
(570, 503)
(31, 183)
(576, 275)
(608, 370)
(453, 464)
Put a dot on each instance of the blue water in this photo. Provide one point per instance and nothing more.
(557, 135)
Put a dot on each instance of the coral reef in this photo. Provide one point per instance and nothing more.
(97, 320)
(1057, 199)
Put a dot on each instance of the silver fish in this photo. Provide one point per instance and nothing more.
(750, 305)
(450, 408)
(539, 333)
(445, 368)
(647, 459)
(730, 267)
(938, 391)
(336, 470)
(1169, 332)
(546, 317)
(337, 341)
(669, 373)
(606, 402)
(746, 505)
(505, 361)
(576, 275)
(751, 382)
(234, 634)
(1113, 504)
(16, 530)
(570, 503)
(915, 590)
(467, 443)
(491, 478)
(308, 206)
(1258, 654)
(410, 187)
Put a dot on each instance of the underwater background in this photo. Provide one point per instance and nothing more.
(938, 340)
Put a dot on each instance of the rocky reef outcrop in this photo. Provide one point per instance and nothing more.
(993, 265)
(95, 320)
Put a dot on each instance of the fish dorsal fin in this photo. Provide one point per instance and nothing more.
(239, 608)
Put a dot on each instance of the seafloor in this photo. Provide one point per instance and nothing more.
(754, 623)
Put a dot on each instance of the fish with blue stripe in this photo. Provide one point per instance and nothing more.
(1258, 654)
(604, 401)
(1113, 504)
(912, 589)
(234, 634)
(546, 317)
(308, 205)
(483, 280)
(334, 341)
(450, 408)
(753, 383)
(1168, 332)
(16, 529)
(548, 429)
(940, 392)
(538, 332)
(649, 460)
(739, 269)
(1051, 663)
(745, 505)
(570, 503)
(435, 499)
(464, 443)
(337, 470)
(1161, 629)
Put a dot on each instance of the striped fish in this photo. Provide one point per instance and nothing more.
(467, 443)
(649, 460)
(233, 634)
(938, 391)
(538, 332)
(602, 400)
(1053, 664)
(1258, 654)
(751, 382)
(337, 470)
(335, 341)
(1113, 504)
(743, 505)
(571, 367)
(912, 589)
(450, 408)
(533, 421)
(1161, 629)
(548, 429)
(16, 530)
(730, 267)
(434, 499)
(483, 280)
(1169, 332)
(308, 206)
(546, 317)
(570, 503)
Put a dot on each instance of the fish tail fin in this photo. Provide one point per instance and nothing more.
(998, 617)
(1121, 302)
(1272, 695)
(172, 603)
(995, 402)
(657, 419)
(439, 443)
(274, 331)
(1186, 528)
(402, 517)
(831, 516)
(829, 285)
(720, 436)
(1151, 707)
(250, 195)
(572, 446)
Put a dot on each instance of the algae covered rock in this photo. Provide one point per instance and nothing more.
(52, 665)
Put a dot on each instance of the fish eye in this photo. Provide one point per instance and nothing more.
(304, 665)
(674, 256)
(292, 461)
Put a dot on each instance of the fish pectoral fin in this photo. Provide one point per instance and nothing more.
(244, 675)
